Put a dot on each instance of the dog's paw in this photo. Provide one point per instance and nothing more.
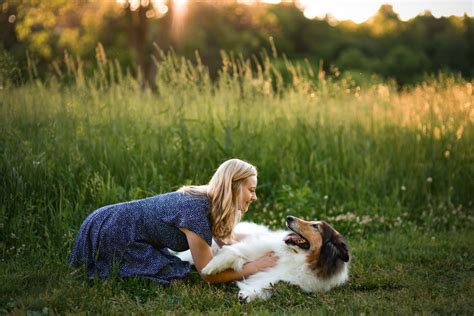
(243, 297)
(239, 263)
(249, 296)
(211, 268)
(226, 258)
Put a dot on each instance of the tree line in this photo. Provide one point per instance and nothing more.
(42, 32)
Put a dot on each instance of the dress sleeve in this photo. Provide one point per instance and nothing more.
(192, 213)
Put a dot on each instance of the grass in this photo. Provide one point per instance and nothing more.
(391, 169)
(401, 272)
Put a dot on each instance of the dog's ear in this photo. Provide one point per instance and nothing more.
(343, 251)
(336, 244)
(340, 243)
(341, 246)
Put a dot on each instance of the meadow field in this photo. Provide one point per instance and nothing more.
(391, 168)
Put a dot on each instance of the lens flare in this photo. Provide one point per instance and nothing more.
(179, 9)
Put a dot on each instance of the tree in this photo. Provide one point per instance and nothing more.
(127, 30)
(469, 38)
(405, 65)
(353, 58)
(385, 22)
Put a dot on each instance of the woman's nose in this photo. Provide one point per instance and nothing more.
(254, 197)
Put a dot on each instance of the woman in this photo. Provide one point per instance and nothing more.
(135, 235)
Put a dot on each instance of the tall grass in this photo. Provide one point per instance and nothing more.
(369, 157)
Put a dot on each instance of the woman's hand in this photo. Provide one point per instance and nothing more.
(263, 263)
(202, 254)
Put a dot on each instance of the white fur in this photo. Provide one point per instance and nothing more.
(291, 267)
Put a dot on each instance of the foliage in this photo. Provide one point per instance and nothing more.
(9, 69)
(391, 169)
(405, 64)
(348, 149)
(399, 272)
(424, 44)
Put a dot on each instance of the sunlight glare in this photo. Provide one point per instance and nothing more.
(134, 5)
(247, 2)
(160, 7)
(334, 10)
(361, 11)
(271, 1)
(180, 4)
(179, 14)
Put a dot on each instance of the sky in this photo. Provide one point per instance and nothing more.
(360, 10)
(356, 10)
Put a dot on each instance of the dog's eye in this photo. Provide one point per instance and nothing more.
(316, 226)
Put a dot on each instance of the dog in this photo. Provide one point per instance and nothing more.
(313, 256)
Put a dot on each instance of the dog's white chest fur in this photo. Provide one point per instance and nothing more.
(292, 266)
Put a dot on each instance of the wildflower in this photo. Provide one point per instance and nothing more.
(325, 197)
(365, 220)
(348, 217)
(429, 179)
(403, 188)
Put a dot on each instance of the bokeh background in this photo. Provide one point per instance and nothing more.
(356, 112)
(403, 40)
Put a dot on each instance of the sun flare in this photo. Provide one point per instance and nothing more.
(361, 11)
(340, 10)
(180, 8)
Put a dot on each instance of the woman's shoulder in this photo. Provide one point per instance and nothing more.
(181, 200)
(195, 201)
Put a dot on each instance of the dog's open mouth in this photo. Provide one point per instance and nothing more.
(296, 240)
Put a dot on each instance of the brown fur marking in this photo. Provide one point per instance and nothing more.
(325, 241)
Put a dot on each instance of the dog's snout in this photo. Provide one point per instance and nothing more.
(289, 219)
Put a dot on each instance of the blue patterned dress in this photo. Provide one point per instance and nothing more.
(134, 237)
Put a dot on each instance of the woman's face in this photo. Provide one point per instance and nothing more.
(249, 195)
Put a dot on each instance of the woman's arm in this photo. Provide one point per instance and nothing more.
(202, 254)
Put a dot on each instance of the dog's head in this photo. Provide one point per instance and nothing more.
(326, 249)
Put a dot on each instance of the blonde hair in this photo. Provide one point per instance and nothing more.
(224, 192)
